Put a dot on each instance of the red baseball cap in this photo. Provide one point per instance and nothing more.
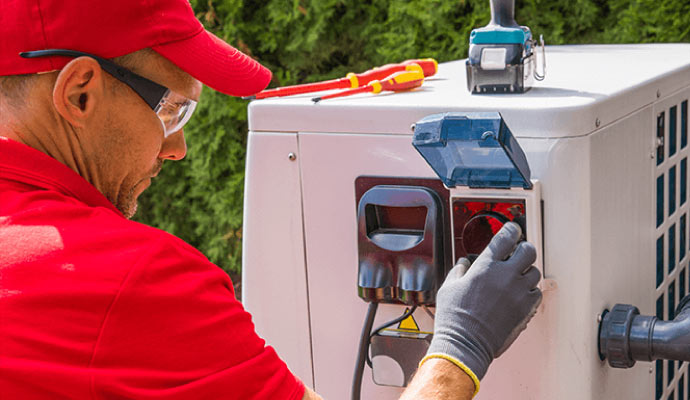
(113, 28)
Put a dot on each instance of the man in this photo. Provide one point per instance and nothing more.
(93, 305)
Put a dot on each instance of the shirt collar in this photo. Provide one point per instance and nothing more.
(25, 165)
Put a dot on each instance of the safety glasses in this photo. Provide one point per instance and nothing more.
(173, 110)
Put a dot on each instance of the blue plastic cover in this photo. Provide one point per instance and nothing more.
(472, 149)
(494, 34)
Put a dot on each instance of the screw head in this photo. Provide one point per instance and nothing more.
(599, 318)
(658, 94)
(412, 127)
(651, 370)
(597, 122)
(292, 156)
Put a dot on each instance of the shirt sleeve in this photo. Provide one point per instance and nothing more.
(176, 331)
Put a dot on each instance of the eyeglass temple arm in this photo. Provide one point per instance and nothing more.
(148, 90)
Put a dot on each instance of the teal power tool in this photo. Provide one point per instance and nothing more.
(502, 56)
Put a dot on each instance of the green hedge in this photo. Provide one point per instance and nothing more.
(200, 198)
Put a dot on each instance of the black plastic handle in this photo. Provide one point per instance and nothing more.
(503, 13)
(399, 196)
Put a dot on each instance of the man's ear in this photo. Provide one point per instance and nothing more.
(78, 89)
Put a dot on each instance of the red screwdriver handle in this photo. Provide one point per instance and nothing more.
(429, 66)
(399, 81)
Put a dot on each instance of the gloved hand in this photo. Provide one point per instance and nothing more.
(480, 311)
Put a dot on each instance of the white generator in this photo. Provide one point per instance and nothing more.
(604, 198)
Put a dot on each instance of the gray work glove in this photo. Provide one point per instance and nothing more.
(480, 311)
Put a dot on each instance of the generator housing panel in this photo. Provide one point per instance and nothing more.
(606, 139)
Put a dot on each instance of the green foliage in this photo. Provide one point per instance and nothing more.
(200, 198)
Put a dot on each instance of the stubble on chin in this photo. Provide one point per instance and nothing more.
(125, 202)
(128, 204)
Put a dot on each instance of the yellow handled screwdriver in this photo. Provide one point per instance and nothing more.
(429, 67)
(399, 81)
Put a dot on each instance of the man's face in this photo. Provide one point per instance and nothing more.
(128, 146)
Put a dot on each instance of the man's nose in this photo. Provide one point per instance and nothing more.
(174, 147)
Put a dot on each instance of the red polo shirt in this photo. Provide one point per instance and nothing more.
(93, 305)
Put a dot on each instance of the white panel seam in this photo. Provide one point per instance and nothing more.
(306, 270)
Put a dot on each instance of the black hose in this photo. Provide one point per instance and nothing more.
(363, 352)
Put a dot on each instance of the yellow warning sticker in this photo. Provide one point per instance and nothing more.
(408, 324)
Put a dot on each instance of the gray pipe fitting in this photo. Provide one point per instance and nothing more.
(625, 336)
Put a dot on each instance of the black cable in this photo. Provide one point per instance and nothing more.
(365, 341)
(363, 352)
(386, 325)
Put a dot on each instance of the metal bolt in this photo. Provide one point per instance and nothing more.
(599, 318)
(658, 94)
(597, 122)
(412, 127)
(651, 370)
(292, 156)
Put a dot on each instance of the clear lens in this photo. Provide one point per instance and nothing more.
(174, 111)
